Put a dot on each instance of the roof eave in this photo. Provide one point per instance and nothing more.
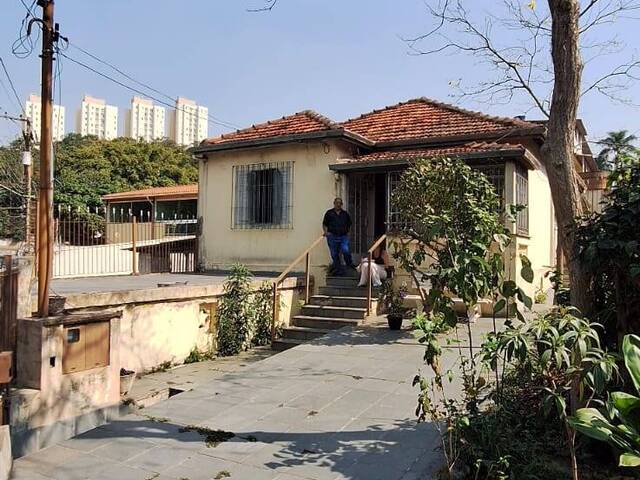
(282, 139)
(517, 153)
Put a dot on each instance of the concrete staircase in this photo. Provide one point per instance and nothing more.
(339, 303)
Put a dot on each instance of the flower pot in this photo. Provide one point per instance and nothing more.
(395, 321)
(126, 381)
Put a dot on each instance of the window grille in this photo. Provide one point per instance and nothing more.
(495, 175)
(262, 196)
(395, 221)
(522, 198)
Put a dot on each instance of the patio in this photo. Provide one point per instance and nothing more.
(340, 407)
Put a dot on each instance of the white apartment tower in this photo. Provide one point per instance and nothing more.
(144, 120)
(97, 118)
(33, 111)
(189, 123)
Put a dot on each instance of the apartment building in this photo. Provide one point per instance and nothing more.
(144, 120)
(33, 112)
(97, 118)
(189, 123)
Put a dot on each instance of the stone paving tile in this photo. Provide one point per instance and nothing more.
(340, 407)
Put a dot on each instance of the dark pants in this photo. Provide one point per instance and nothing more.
(339, 244)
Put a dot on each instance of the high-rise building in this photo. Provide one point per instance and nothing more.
(97, 118)
(189, 123)
(144, 120)
(33, 111)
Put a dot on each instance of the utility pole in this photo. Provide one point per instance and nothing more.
(45, 210)
(27, 134)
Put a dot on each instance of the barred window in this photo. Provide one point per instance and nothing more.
(395, 220)
(262, 195)
(522, 198)
(495, 175)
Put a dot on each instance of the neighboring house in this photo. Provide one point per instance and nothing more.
(264, 189)
(173, 210)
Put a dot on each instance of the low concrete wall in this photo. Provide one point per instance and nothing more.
(163, 325)
(6, 459)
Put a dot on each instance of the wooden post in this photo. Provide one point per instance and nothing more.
(134, 264)
(307, 277)
(370, 275)
(274, 311)
(45, 239)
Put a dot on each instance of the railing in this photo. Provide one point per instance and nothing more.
(307, 256)
(375, 245)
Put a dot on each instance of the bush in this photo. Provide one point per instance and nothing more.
(234, 312)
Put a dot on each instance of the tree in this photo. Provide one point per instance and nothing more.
(86, 168)
(614, 145)
(537, 56)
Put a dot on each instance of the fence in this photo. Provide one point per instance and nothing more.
(8, 328)
(86, 244)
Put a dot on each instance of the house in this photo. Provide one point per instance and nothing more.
(172, 209)
(264, 189)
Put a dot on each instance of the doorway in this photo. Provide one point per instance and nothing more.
(368, 206)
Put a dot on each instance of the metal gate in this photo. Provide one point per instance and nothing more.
(359, 186)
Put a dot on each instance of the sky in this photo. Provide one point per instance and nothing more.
(338, 57)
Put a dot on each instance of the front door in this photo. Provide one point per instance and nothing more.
(367, 205)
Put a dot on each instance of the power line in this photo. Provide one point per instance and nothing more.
(4, 67)
(214, 119)
(140, 92)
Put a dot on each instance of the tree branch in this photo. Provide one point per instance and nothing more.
(269, 4)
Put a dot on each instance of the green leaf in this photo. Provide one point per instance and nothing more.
(499, 306)
(629, 460)
(631, 350)
(625, 403)
(526, 272)
(592, 423)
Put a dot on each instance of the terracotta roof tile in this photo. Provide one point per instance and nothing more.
(442, 151)
(302, 122)
(175, 190)
(422, 118)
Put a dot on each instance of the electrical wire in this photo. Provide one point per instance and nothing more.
(13, 88)
(214, 119)
(140, 92)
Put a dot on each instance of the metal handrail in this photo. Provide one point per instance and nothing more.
(307, 256)
(375, 245)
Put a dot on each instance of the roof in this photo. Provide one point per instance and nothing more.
(480, 150)
(420, 120)
(423, 118)
(303, 122)
(189, 191)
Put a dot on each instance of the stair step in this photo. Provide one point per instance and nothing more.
(303, 333)
(339, 301)
(323, 322)
(347, 291)
(334, 311)
(345, 281)
(282, 344)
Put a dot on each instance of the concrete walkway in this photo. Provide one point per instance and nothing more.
(341, 407)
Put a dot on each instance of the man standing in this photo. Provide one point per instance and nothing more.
(336, 225)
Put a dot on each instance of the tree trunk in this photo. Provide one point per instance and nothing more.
(559, 148)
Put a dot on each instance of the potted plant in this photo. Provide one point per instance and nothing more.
(392, 300)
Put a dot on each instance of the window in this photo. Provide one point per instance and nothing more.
(495, 175)
(394, 221)
(262, 195)
(522, 198)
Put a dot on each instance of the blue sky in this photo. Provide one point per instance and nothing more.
(341, 58)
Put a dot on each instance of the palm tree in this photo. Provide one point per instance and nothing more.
(613, 145)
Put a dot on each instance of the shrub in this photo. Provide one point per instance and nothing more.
(234, 312)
